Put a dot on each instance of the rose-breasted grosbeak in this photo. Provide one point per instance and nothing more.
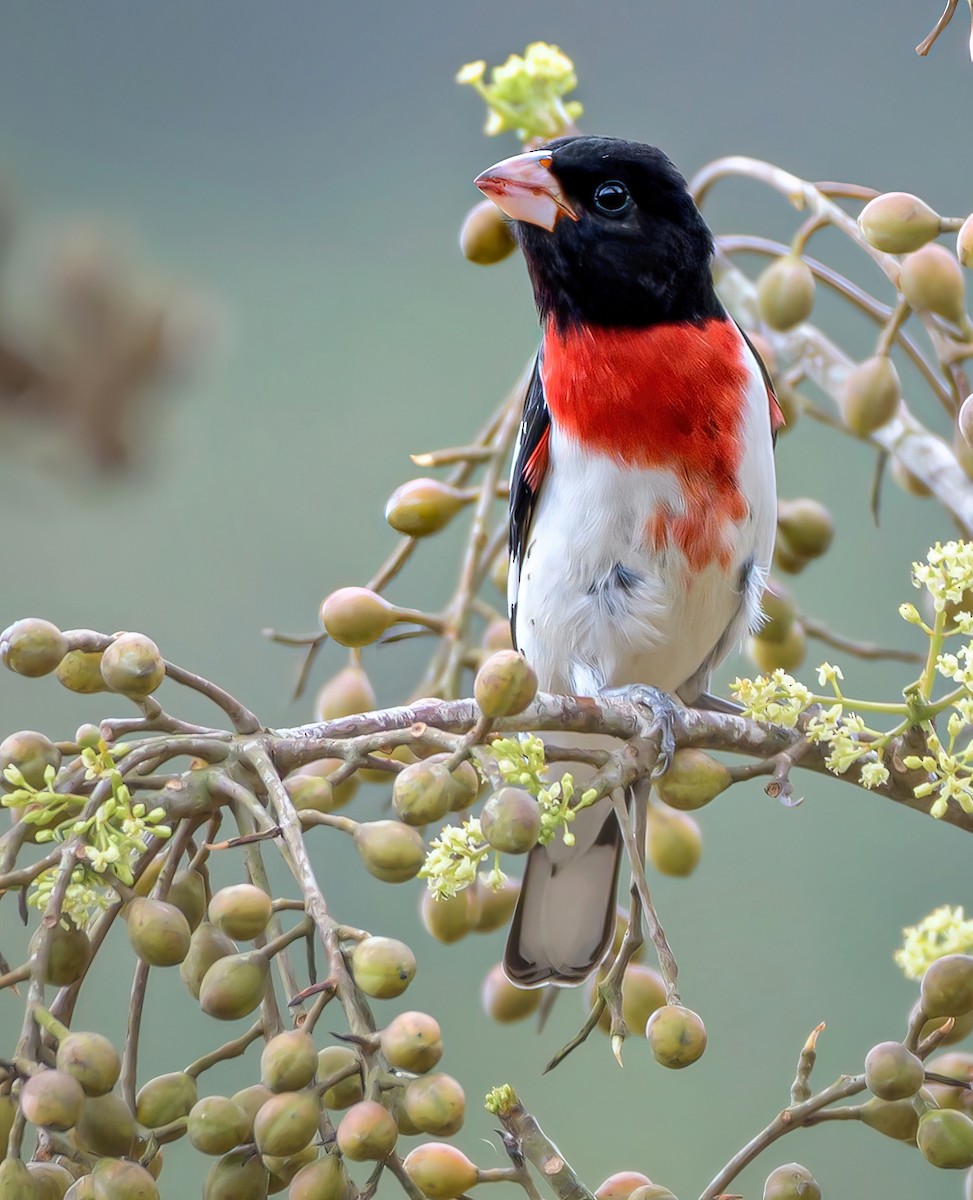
(642, 497)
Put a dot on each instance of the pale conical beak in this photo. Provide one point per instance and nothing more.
(525, 188)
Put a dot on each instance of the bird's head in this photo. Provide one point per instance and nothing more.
(609, 230)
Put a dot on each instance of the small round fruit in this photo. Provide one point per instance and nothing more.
(323, 1179)
(892, 1072)
(422, 507)
(485, 237)
(241, 911)
(159, 933)
(390, 850)
(785, 292)
(652, 1191)
(8, 1112)
(908, 481)
(80, 671)
(356, 616)
(791, 1182)
(440, 1171)
(497, 636)
(133, 665)
(786, 560)
(964, 421)
(91, 1059)
(511, 821)
(505, 684)
(673, 842)
(54, 1179)
(165, 1098)
(286, 1123)
(420, 793)
(786, 655)
(496, 905)
(310, 793)
(52, 1099)
(32, 647)
(345, 694)
(945, 1138)
(117, 1179)
(932, 281)
(896, 1119)
(621, 1185)
(383, 967)
(806, 526)
(188, 894)
(239, 1175)
(964, 243)
(898, 223)
(340, 1060)
(954, 1064)
(234, 986)
(452, 917)
(676, 1036)
(779, 609)
(412, 1041)
(216, 1124)
(871, 396)
(505, 1002)
(107, 1126)
(947, 986)
(463, 785)
(207, 945)
(791, 404)
(251, 1099)
(68, 956)
(283, 1168)
(31, 753)
(643, 993)
(288, 1061)
(16, 1182)
(435, 1104)
(367, 1132)
(693, 779)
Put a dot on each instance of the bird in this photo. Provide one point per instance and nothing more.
(642, 503)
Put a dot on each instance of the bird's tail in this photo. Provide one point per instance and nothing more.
(565, 917)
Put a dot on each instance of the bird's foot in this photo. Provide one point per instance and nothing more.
(662, 716)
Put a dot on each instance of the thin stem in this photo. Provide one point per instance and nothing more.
(232, 1049)
(28, 1043)
(140, 979)
(667, 960)
(927, 42)
(791, 1118)
(536, 1147)
(866, 650)
(892, 326)
(865, 301)
(295, 855)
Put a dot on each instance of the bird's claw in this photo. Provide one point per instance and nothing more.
(662, 711)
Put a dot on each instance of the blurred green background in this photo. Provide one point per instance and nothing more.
(305, 166)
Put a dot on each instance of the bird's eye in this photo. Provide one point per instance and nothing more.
(612, 198)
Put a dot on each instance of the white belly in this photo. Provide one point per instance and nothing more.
(599, 606)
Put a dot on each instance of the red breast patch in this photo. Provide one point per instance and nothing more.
(671, 396)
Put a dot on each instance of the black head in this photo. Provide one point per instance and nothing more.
(610, 233)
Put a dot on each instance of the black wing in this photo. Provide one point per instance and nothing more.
(526, 476)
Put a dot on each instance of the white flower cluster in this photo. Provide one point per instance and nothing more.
(525, 94)
(947, 573)
(944, 931)
(454, 858)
